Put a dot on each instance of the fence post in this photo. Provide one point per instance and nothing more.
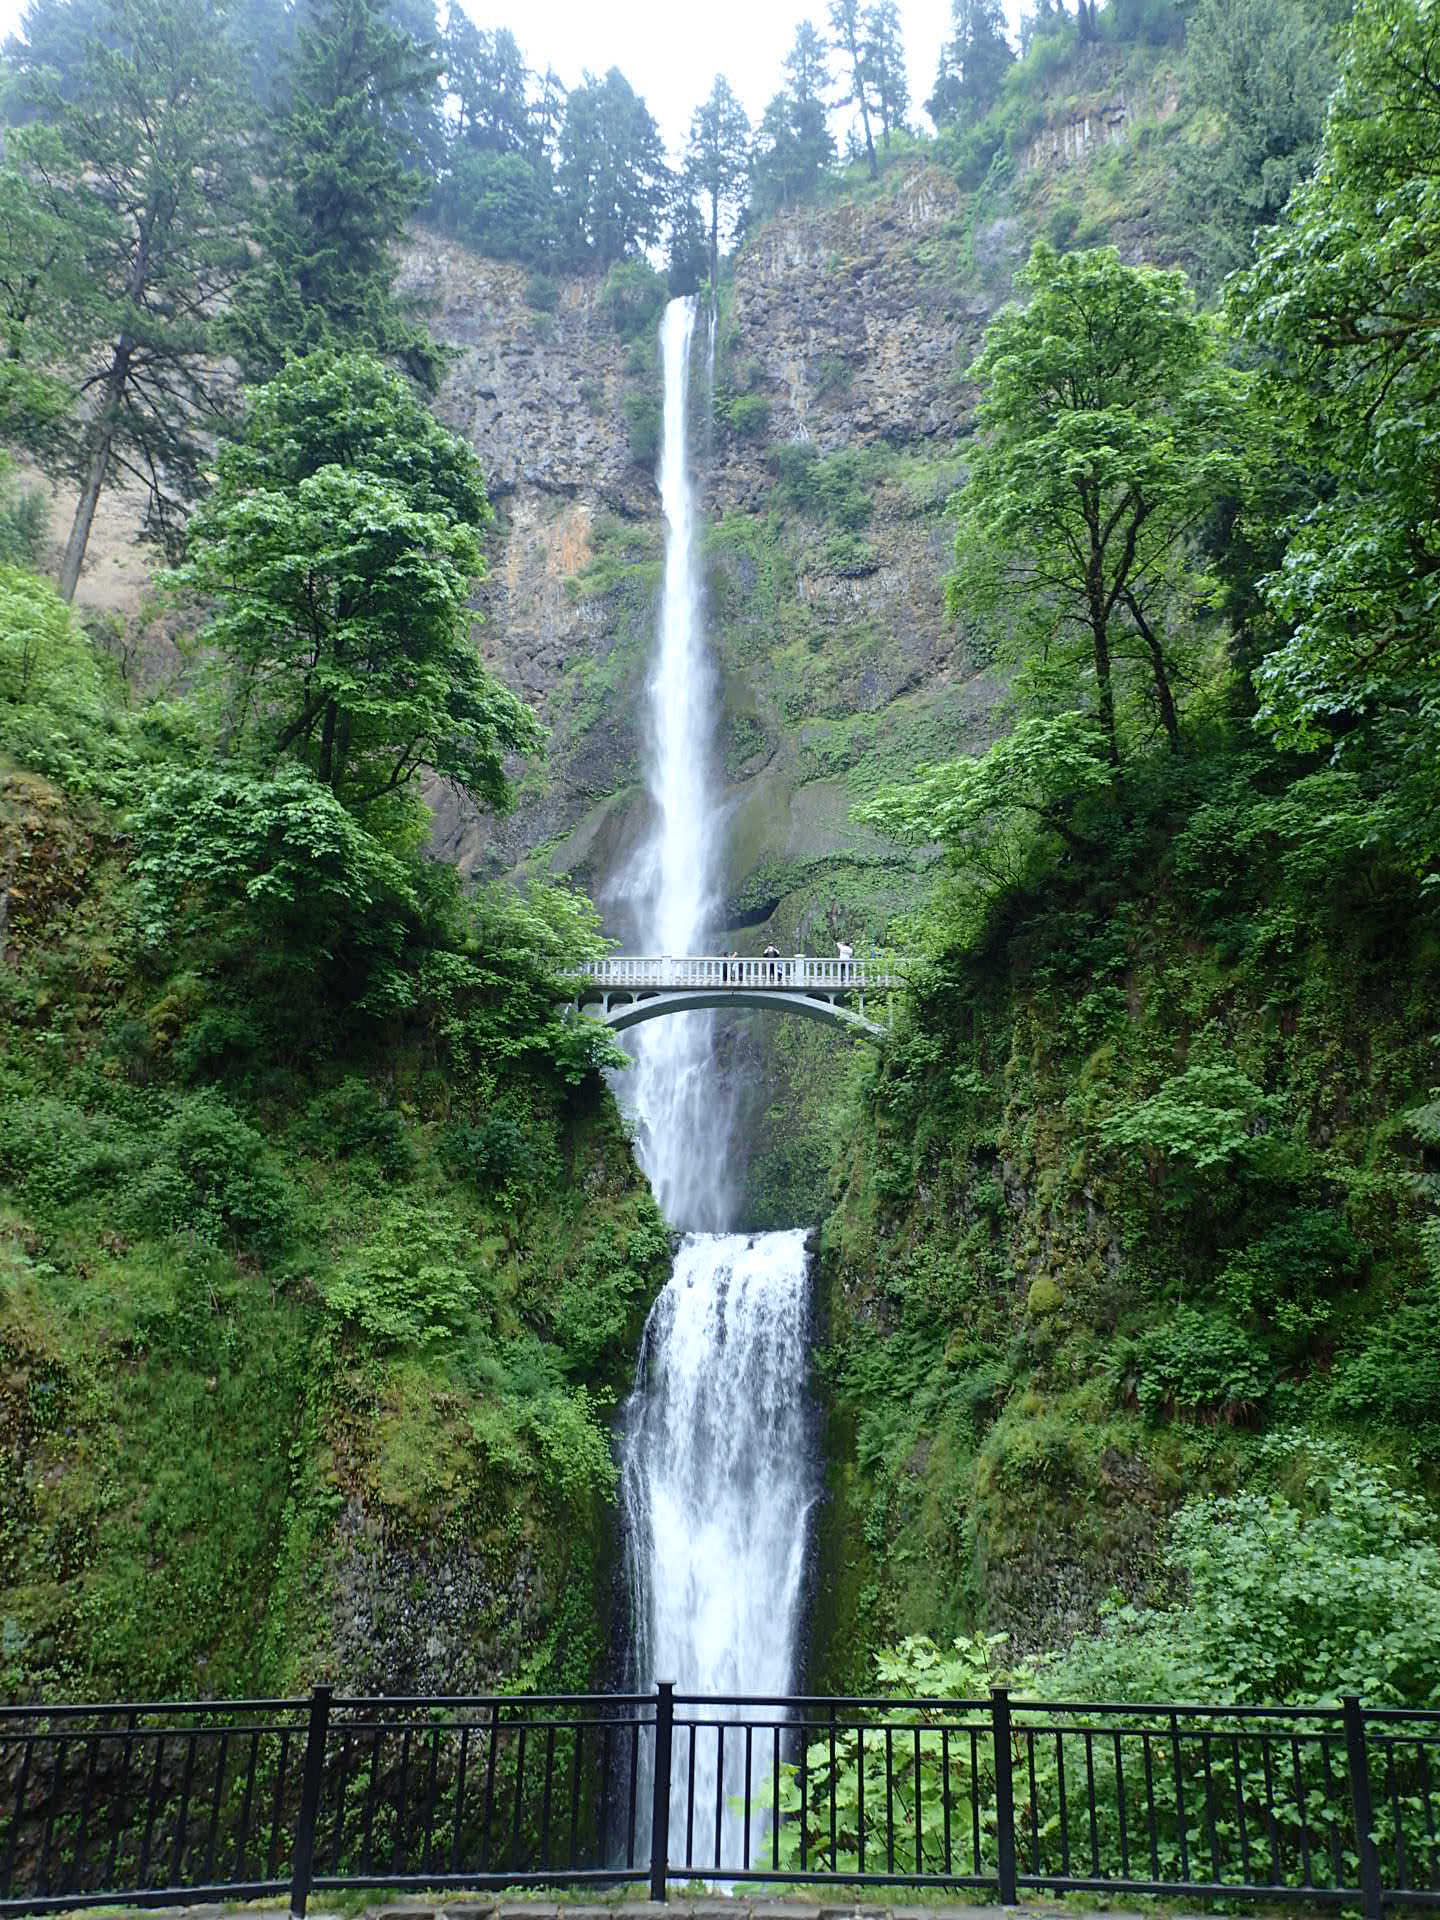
(311, 1780)
(660, 1795)
(1370, 1892)
(1004, 1797)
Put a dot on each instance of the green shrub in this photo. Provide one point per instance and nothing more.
(56, 1153)
(1201, 1364)
(848, 555)
(747, 417)
(632, 298)
(352, 1119)
(409, 1285)
(212, 1176)
(1395, 1373)
(1288, 1277)
(830, 488)
(542, 294)
(643, 423)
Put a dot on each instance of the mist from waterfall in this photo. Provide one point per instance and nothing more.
(717, 1439)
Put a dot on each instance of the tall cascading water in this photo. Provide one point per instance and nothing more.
(680, 1129)
(718, 1468)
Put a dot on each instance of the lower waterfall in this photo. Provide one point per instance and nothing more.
(718, 1478)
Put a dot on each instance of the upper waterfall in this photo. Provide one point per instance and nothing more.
(673, 881)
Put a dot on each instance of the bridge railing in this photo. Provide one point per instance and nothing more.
(797, 972)
(137, 1804)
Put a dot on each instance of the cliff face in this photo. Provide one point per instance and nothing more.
(842, 333)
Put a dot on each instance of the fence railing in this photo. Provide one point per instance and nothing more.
(237, 1800)
(797, 971)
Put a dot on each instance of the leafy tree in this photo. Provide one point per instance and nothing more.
(341, 188)
(973, 63)
(989, 809)
(149, 182)
(847, 23)
(340, 544)
(717, 160)
(1346, 293)
(1263, 71)
(503, 203)
(793, 142)
(611, 171)
(884, 52)
(1109, 431)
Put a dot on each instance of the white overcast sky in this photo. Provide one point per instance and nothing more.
(671, 50)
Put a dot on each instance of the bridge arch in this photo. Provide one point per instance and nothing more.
(619, 1014)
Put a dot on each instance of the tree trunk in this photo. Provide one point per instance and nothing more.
(327, 745)
(101, 438)
(1164, 698)
(1100, 638)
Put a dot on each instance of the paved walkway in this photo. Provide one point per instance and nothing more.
(825, 1906)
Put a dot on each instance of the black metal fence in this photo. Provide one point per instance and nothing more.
(239, 1799)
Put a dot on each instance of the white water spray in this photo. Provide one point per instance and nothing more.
(717, 1490)
(717, 1455)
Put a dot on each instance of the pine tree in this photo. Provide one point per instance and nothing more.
(717, 160)
(341, 189)
(884, 52)
(973, 63)
(793, 144)
(846, 25)
(147, 129)
(612, 179)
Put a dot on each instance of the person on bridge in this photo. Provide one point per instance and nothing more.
(847, 954)
(772, 954)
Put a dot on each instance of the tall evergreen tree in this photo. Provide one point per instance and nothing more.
(147, 124)
(486, 76)
(341, 188)
(847, 25)
(973, 63)
(884, 51)
(717, 161)
(612, 177)
(793, 144)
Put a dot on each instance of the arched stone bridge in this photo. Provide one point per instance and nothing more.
(628, 988)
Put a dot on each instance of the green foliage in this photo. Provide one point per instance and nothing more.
(352, 1119)
(341, 543)
(643, 424)
(632, 298)
(340, 192)
(1201, 1365)
(1110, 429)
(1354, 594)
(1206, 1119)
(212, 1177)
(1324, 1589)
(610, 172)
(542, 294)
(411, 1284)
(1265, 73)
(830, 488)
(746, 417)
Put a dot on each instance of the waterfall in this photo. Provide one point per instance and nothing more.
(681, 1136)
(716, 1492)
(717, 1453)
